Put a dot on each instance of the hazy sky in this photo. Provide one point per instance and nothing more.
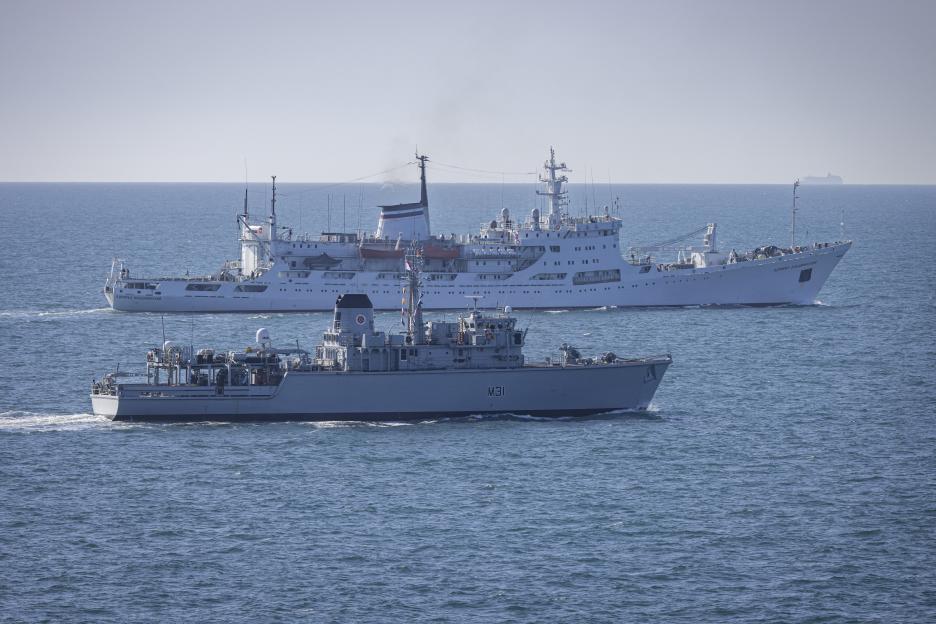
(327, 91)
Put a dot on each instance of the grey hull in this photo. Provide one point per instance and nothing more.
(360, 396)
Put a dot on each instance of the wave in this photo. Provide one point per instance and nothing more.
(51, 313)
(37, 421)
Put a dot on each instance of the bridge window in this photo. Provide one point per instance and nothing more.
(203, 287)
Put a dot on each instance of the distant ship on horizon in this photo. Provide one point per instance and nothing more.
(827, 179)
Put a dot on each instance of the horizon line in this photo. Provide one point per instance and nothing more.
(494, 182)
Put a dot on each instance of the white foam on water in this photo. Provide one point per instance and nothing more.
(332, 424)
(37, 421)
(336, 424)
(52, 313)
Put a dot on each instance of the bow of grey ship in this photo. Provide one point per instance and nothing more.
(474, 365)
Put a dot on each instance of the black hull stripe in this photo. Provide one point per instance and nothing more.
(401, 215)
(399, 207)
(351, 417)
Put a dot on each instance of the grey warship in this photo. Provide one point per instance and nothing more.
(472, 366)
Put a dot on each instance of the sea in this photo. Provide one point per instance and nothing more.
(785, 473)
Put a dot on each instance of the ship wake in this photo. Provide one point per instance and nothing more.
(22, 314)
(24, 421)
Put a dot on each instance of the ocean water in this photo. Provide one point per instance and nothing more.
(786, 473)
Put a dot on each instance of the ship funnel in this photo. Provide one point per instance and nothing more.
(354, 314)
(407, 221)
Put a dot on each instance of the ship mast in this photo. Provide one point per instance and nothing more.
(556, 196)
(413, 298)
(793, 223)
(273, 212)
(423, 195)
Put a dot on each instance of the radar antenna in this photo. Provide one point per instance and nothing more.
(554, 191)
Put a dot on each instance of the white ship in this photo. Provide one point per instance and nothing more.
(828, 179)
(544, 261)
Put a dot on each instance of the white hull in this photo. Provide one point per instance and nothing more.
(770, 281)
(534, 390)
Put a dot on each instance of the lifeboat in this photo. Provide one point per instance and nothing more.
(322, 261)
(441, 253)
(381, 251)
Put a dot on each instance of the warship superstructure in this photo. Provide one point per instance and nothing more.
(551, 260)
(474, 365)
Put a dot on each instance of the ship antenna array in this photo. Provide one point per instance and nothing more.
(556, 195)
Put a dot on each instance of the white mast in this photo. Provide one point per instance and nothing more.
(556, 196)
(793, 224)
(273, 212)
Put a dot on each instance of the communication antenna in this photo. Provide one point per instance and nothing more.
(610, 193)
(594, 197)
(793, 222)
(842, 224)
(273, 200)
(360, 206)
(273, 213)
(246, 186)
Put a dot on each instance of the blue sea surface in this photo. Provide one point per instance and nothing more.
(787, 472)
